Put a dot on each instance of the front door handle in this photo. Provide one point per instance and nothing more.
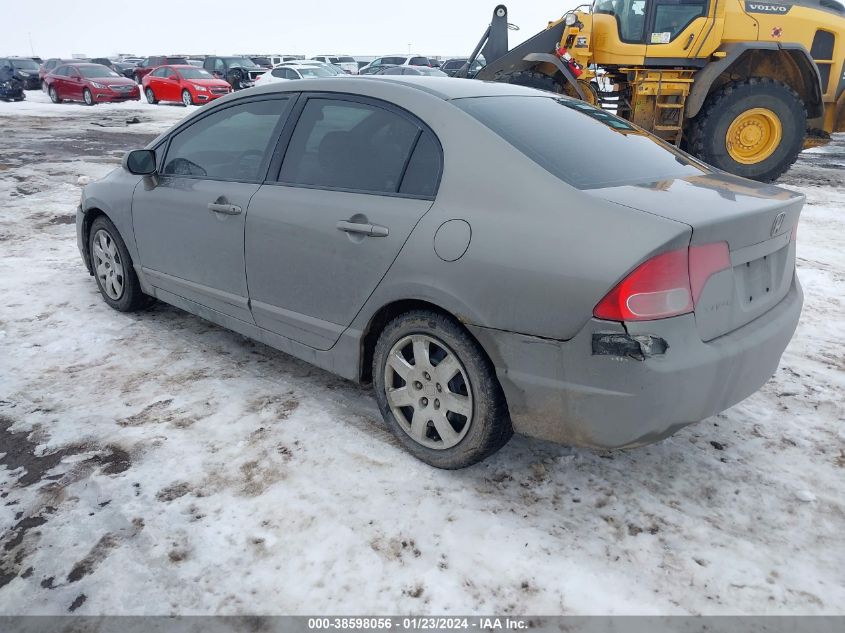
(228, 209)
(370, 230)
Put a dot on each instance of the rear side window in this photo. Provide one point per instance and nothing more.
(587, 147)
(230, 144)
(423, 173)
(349, 145)
(391, 60)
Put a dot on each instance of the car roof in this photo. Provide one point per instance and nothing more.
(445, 88)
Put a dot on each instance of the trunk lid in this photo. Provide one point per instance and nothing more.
(756, 221)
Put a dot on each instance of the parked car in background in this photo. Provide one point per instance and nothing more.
(451, 66)
(330, 68)
(89, 83)
(146, 66)
(395, 60)
(412, 70)
(25, 70)
(186, 84)
(197, 63)
(263, 62)
(286, 72)
(346, 63)
(239, 72)
(365, 252)
(103, 61)
(129, 59)
(11, 88)
(49, 65)
(124, 68)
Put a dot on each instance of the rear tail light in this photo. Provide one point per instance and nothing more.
(666, 285)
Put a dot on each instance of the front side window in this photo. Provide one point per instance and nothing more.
(348, 145)
(158, 72)
(230, 144)
(671, 17)
(613, 152)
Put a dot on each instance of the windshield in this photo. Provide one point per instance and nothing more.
(316, 71)
(177, 61)
(587, 147)
(195, 73)
(95, 71)
(242, 62)
(24, 64)
(431, 72)
(262, 61)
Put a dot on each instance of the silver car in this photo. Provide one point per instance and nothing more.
(493, 259)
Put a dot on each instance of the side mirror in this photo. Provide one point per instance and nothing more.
(141, 162)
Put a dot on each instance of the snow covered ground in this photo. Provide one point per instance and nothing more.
(154, 463)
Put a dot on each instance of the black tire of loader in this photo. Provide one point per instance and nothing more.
(707, 131)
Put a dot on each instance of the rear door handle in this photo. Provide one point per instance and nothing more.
(370, 230)
(228, 209)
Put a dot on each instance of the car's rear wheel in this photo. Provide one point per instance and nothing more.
(54, 95)
(112, 264)
(438, 392)
(151, 96)
(187, 99)
(87, 97)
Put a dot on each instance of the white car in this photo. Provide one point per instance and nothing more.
(288, 71)
(345, 62)
(395, 60)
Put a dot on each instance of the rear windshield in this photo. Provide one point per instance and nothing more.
(314, 71)
(587, 147)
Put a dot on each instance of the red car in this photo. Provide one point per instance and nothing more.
(91, 83)
(185, 83)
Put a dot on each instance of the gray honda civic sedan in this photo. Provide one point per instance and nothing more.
(491, 258)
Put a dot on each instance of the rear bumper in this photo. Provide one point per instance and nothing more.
(562, 392)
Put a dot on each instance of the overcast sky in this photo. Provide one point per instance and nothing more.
(355, 27)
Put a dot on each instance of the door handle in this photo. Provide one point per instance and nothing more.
(689, 40)
(228, 209)
(370, 230)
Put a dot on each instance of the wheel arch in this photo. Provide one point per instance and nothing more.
(88, 217)
(789, 63)
(384, 315)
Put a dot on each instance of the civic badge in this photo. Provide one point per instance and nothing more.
(778, 223)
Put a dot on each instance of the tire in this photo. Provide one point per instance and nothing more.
(707, 133)
(532, 79)
(129, 298)
(187, 99)
(54, 96)
(474, 389)
(87, 97)
(151, 96)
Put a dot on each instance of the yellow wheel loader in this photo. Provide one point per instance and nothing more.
(744, 85)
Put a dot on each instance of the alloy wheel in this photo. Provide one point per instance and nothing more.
(186, 98)
(428, 391)
(108, 264)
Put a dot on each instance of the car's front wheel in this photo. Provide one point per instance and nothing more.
(54, 95)
(438, 392)
(112, 264)
(151, 96)
(88, 97)
(187, 99)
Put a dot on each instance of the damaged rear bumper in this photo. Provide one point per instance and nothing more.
(615, 386)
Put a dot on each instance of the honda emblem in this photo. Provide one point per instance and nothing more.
(778, 223)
